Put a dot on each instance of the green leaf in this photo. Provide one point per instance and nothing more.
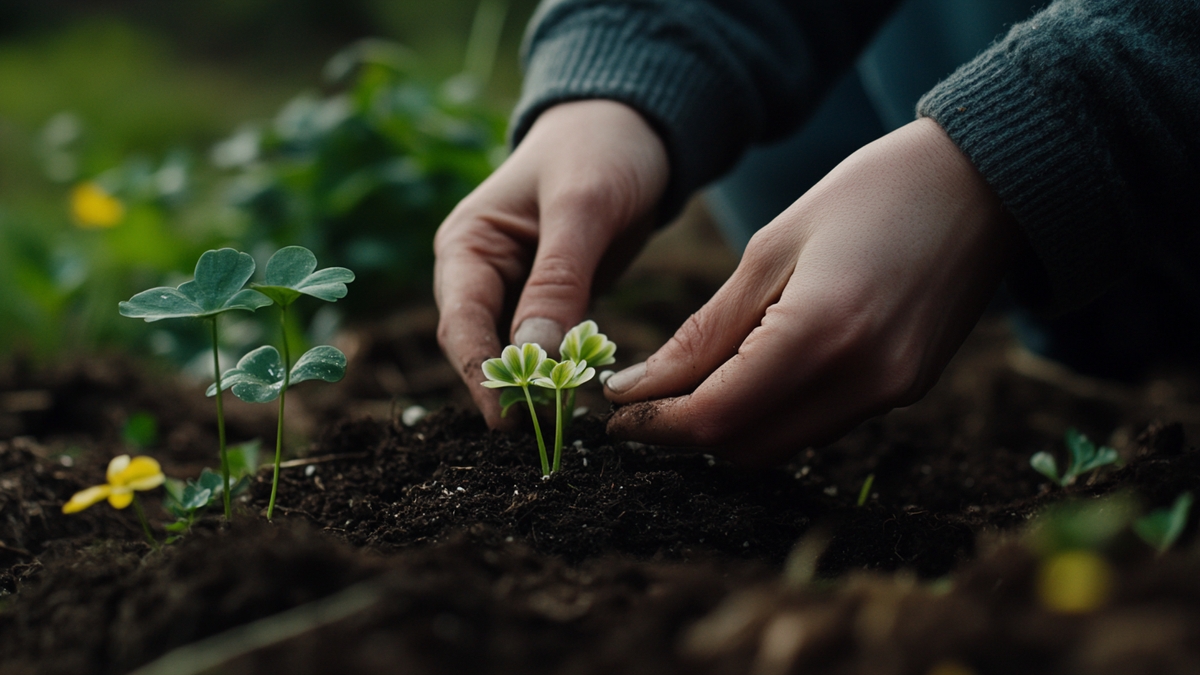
(1162, 527)
(216, 288)
(292, 271)
(1043, 463)
(258, 377)
(211, 480)
(195, 497)
(243, 458)
(320, 363)
(177, 526)
(1085, 456)
(516, 366)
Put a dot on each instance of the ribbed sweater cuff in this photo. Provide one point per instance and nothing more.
(681, 91)
(1041, 155)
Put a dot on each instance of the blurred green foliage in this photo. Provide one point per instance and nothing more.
(361, 169)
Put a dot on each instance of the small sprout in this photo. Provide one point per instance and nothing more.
(866, 489)
(517, 367)
(585, 342)
(558, 376)
(1162, 527)
(1085, 457)
(185, 500)
(125, 476)
(217, 288)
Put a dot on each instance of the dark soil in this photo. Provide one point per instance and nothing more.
(439, 548)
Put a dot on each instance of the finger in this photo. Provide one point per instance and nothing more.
(795, 348)
(474, 266)
(712, 335)
(576, 230)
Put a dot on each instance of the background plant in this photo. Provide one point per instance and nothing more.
(1083, 457)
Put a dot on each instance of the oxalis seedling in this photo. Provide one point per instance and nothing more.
(519, 368)
(262, 375)
(185, 500)
(1084, 457)
(218, 287)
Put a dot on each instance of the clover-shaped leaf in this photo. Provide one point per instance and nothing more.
(292, 271)
(585, 342)
(516, 367)
(258, 377)
(216, 288)
(566, 374)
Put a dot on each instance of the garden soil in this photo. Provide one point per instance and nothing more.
(437, 547)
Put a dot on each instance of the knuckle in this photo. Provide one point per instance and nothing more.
(558, 273)
(689, 341)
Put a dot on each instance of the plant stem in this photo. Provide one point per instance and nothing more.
(287, 378)
(537, 428)
(137, 507)
(558, 429)
(221, 421)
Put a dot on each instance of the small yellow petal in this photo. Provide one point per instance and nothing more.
(1074, 582)
(139, 470)
(85, 498)
(115, 467)
(119, 500)
(147, 483)
(95, 208)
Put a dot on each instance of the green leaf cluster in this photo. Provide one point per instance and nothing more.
(187, 499)
(1084, 457)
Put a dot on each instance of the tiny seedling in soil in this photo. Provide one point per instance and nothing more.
(217, 288)
(1161, 528)
(185, 500)
(125, 475)
(262, 375)
(519, 367)
(1084, 457)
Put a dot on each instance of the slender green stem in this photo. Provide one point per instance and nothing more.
(537, 428)
(558, 429)
(221, 421)
(137, 507)
(287, 378)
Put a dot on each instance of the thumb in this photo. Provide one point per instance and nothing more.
(711, 336)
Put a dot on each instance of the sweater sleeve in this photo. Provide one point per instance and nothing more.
(711, 76)
(1085, 120)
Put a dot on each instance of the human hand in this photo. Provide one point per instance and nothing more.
(570, 206)
(848, 304)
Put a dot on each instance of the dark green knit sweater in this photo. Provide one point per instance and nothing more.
(1085, 119)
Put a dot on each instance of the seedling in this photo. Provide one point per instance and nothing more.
(865, 492)
(185, 500)
(517, 367)
(217, 288)
(558, 376)
(585, 343)
(262, 375)
(1162, 527)
(125, 475)
(1084, 457)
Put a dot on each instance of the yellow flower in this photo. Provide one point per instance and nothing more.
(124, 476)
(1075, 582)
(94, 208)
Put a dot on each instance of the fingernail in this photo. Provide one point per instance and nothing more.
(626, 379)
(545, 332)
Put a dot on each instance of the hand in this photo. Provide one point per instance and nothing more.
(572, 205)
(848, 304)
